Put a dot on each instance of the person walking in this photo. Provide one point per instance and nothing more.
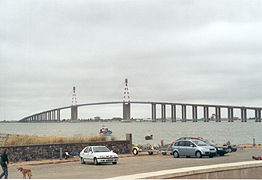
(4, 164)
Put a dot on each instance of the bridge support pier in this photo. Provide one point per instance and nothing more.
(194, 113)
(53, 115)
(183, 113)
(173, 112)
(153, 112)
(126, 111)
(74, 113)
(206, 114)
(58, 115)
(230, 113)
(243, 115)
(258, 115)
(48, 115)
(218, 114)
(163, 112)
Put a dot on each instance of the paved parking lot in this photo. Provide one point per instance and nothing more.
(128, 166)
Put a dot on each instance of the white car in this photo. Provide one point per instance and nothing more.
(98, 154)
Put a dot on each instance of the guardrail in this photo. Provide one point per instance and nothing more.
(238, 170)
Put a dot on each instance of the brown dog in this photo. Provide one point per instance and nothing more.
(24, 172)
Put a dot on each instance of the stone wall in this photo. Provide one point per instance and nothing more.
(51, 151)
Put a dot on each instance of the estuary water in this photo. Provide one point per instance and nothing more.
(235, 132)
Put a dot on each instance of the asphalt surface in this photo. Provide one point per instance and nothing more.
(128, 166)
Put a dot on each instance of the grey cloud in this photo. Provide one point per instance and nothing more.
(188, 51)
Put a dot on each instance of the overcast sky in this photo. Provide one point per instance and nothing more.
(197, 51)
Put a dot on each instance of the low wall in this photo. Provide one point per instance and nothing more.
(238, 170)
(51, 151)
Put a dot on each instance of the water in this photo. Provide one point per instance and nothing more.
(236, 132)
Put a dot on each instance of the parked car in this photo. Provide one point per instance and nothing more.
(193, 147)
(231, 148)
(98, 154)
(221, 150)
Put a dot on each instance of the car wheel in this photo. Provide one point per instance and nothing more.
(187, 156)
(150, 153)
(82, 160)
(164, 153)
(198, 154)
(95, 161)
(176, 154)
(211, 156)
(135, 151)
(230, 150)
(222, 154)
(114, 162)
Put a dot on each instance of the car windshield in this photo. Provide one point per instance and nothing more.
(209, 143)
(199, 143)
(101, 149)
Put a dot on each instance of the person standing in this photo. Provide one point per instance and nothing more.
(4, 164)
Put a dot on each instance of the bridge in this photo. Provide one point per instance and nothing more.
(54, 114)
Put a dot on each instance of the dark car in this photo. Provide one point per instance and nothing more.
(231, 148)
(221, 150)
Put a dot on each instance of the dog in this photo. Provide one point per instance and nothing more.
(24, 172)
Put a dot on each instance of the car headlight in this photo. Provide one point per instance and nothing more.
(220, 149)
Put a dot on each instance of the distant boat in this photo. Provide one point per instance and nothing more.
(149, 137)
(105, 131)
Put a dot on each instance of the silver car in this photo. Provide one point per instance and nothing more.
(195, 148)
(98, 154)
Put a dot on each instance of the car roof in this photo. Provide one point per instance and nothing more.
(185, 140)
(191, 140)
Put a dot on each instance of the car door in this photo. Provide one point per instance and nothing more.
(191, 149)
(88, 154)
(85, 153)
(186, 148)
(182, 148)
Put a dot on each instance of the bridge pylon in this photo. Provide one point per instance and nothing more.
(74, 109)
(126, 102)
(74, 113)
